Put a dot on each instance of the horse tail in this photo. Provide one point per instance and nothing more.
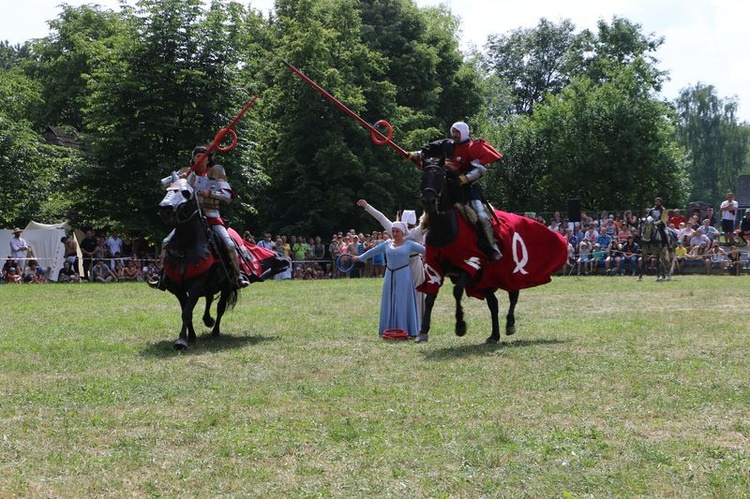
(232, 298)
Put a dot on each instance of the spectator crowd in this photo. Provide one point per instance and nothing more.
(610, 244)
(607, 244)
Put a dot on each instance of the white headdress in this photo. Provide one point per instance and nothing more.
(409, 217)
(400, 226)
(462, 128)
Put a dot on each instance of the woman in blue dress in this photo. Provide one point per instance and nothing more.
(398, 305)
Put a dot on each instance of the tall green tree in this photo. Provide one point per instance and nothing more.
(320, 160)
(167, 84)
(63, 62)
(588, 122)
(383, 59)
(34, 176)
(532, 61)
(718, 144)
(598, 55)
(610, 145)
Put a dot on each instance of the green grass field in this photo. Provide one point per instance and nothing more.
(610, 388)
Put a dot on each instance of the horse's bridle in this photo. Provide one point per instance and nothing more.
(433, 167)
(179, 208)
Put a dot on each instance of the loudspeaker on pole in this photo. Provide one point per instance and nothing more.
(574, 210)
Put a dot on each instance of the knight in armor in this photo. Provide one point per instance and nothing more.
(469, 159)
(658, 215)
(209, 181)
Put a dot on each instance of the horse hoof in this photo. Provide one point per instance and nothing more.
(422, 338)
(180, 344)
(209, 322)
(491, 341)
(510, 330)
(460, 328)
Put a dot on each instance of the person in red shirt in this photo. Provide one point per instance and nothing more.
(676, 218)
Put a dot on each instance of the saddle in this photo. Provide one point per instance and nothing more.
(470, 215)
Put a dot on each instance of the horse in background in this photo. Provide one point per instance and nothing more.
(453, 250)
(659, 242)
(194, 267)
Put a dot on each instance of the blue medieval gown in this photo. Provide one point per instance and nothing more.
(398, 304)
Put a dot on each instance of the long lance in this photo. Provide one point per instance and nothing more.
(216, 144)
(375, 134)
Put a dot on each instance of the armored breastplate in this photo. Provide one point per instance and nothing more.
(209, 204)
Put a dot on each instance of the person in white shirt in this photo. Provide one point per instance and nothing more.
(114, 243)
(18, 249)
(728, 210)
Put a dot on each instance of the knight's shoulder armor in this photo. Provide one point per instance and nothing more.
(217, 172)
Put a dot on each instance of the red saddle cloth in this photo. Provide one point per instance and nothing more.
(531, 253)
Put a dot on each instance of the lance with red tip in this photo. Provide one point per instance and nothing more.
(220, 137)
(375, 134)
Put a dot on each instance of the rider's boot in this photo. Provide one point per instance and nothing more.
(485, 229)
(240, 280)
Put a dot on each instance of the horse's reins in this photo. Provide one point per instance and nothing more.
(209, 233)
(437, 193)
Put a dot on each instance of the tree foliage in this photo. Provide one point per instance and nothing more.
(719, 145)
(34, 175)
(532, 61)
(588, 123)
(381, 59)
(576, 114)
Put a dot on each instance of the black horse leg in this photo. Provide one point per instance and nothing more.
(491, 299)
(510, 319)
(187, 332)
(182, 298)
(208, 321)
(187, 316)
(424, 330)
(458, 291)
(221, 307)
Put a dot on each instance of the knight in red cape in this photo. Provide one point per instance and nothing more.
(469, 159)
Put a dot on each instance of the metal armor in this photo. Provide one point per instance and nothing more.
(219, 191)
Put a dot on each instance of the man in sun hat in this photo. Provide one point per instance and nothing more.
(18, 249)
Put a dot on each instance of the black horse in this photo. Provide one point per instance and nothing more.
(449, 234)
(658, 242)
(192, 267)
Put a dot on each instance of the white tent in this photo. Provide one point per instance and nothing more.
(44, 242)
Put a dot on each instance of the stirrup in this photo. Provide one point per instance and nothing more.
(495, 253)
(241, 281)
